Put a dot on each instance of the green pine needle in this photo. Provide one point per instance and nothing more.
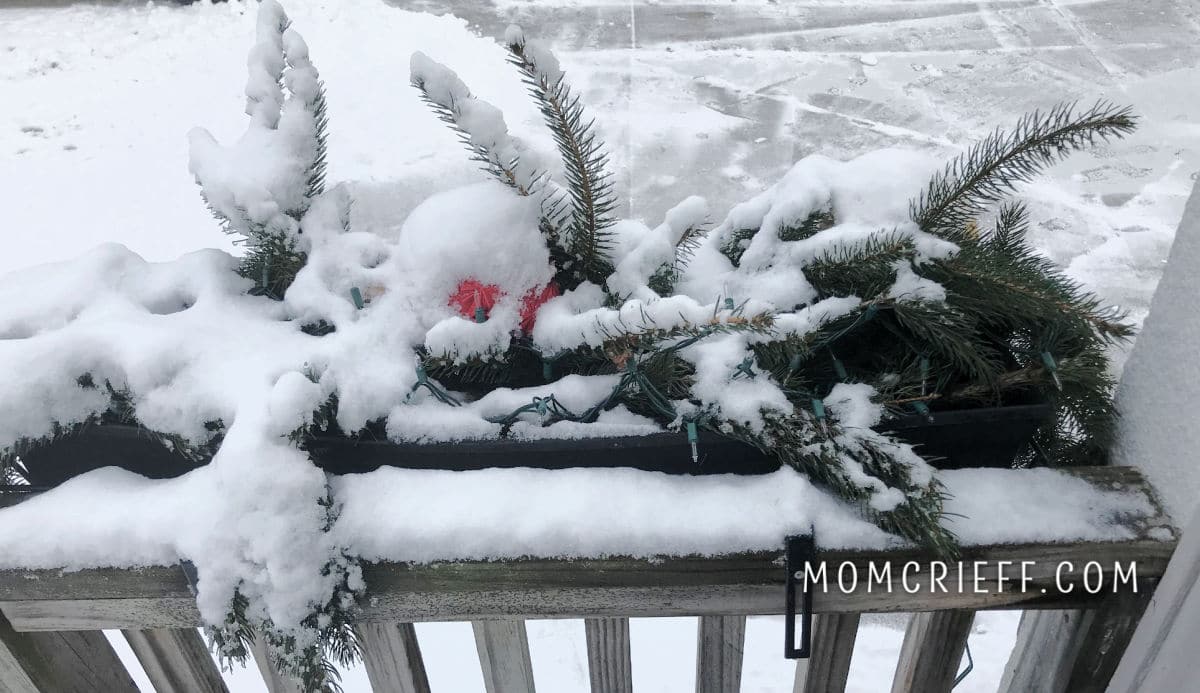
(589, 184)
(991, 169)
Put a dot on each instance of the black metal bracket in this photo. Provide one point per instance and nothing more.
(799, 553)
(193, 578)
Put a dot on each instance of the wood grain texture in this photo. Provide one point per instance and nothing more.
(176, 660)
(610, 668)
(1104, 641)
(1042, 658)
(932, 649)
(742, 584)
(719, 647)
(503, 647)
(69, 662)
(828, 667)
(1076, 650)
(1162, 653)
(13, 677)
(392, 657)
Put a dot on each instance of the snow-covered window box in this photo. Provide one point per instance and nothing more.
(519, 319)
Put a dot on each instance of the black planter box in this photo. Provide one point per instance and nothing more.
(954, 439)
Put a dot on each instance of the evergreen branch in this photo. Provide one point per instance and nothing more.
(503, 171)
(584, 164)
(685, 249)
(813, 224)
(316, 169)
(864, 268)
(990, 169)
(646, 338)
(735, 244)
(799, 443)
(948, 334)
(665, 278)
(1030, 285)
(1012, 223)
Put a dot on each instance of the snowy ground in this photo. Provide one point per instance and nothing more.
(710, 97)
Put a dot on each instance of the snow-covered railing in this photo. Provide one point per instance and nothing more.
(51, 615)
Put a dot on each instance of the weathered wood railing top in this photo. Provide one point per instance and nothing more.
(156, 606)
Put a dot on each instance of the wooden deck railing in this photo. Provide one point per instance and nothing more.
(1069, 640)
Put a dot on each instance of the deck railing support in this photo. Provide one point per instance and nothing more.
(392, 657)
(932, 649)
(719, 654)
(504, 656)
(609, 661)
(828, 666)
(176, 660)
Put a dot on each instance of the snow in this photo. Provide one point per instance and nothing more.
(1157, 429)
(851, 404)
(545, 65)
(481, 121)
(260, 183)
(110, 517)
(679, 102)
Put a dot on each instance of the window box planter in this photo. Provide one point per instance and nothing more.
(986, 437)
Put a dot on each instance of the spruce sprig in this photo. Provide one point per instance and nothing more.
(990, 169)
(590, 185)
(667, 275)
(503, 171)
(861, 268)
(316, 169)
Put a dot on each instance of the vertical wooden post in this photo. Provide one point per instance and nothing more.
(1046, 647)
(60, 662)
(276, 682)
(504, 656)
(1076, 650)
(176, 660)
(719, 654)
(392, 657)
(828, 666)
(1111, 628)
(608, 655)
(933, 647)
(1161, 655)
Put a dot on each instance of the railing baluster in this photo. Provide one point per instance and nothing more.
(504, 656)
(392, 657)
(933, 647)
(828, 666)
(176, 660)
(608, 655)
(719, 654)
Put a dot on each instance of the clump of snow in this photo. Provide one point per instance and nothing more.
(481, 121)
(655, 249)
(732, 394)
(545, 65)
(1037, 505)
(851, 404)
(260, 183)
(867, 200)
